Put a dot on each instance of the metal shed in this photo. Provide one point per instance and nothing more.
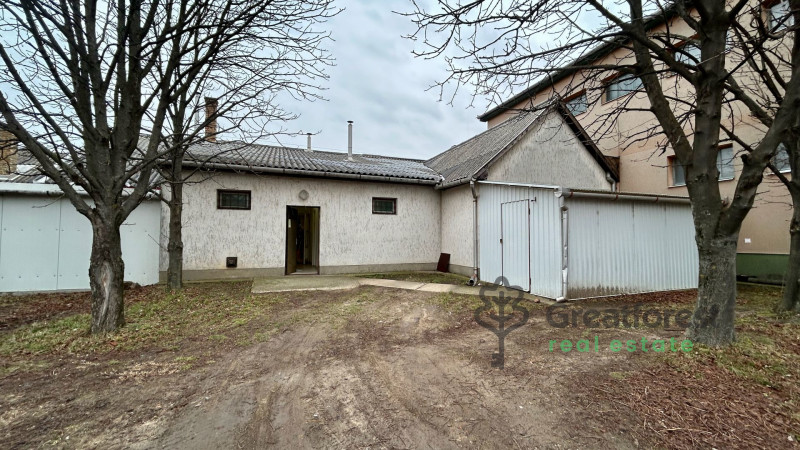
(568, 244)
(45, 243)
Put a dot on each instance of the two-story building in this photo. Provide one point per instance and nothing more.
(644, 164)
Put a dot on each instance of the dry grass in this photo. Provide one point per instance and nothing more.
(746, 395)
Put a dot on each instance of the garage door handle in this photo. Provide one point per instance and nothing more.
(501, 240)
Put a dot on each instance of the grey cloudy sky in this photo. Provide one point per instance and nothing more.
(379, 85)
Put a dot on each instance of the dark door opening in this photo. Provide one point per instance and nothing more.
(302, 240)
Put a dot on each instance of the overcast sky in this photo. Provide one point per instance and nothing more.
(378, 84)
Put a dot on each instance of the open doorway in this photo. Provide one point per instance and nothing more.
(302, 240)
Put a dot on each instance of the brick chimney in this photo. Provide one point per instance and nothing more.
(8, 152)
(211, 114)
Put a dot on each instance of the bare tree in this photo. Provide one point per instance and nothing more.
(233, 63)
(497, 46)
(771, 46)
(86, 78)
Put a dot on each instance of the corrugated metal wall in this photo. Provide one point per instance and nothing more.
(45, 244)
(614, 247)
(629, 246)
(545, 235)
(515, 243)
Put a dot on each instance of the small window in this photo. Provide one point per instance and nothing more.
(578, 104)
(725, 163)
(781, 159)
(622, 86)
(233, 199)
(688, 53)
(677, 170)
(384, 205)
(780, 16)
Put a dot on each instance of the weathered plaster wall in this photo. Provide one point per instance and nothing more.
(550, 154)
(458, 228)
(351, 237)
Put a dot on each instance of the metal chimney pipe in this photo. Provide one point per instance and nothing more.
(349, 140)
(308, 148)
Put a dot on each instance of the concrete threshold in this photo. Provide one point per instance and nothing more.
(329, 283)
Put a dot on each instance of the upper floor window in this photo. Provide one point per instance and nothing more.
(622, 86)
(233, 199)
(781, 159)
(725, 163)
(780, 15)
(677, 171)
(688, 53)
(578, 104)
(724, 166)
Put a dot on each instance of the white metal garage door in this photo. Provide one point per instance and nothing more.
(45, 244)
(516, 243)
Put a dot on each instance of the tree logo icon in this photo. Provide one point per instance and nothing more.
(497, 318)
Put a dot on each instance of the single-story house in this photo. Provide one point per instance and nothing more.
(532, 200)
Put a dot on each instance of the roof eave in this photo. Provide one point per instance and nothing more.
(314, 173)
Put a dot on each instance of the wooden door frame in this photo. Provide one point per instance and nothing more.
(315, 251)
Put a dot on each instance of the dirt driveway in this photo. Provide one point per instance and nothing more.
(401, 372)
(218, 367)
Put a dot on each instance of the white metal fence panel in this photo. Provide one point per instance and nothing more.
(545, 235)
(515, 243)
(627, 246)
(29, 244)
(45, 244)
(73, 268)
(140, 243)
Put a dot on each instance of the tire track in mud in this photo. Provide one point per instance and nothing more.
(399, 374)
(234, 400)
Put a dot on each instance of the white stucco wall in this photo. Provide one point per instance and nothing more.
(550, 154)
(350, 235)
(458, 228)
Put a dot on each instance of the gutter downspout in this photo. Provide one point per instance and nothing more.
(611, 180)
(474, 280)
(564, 210)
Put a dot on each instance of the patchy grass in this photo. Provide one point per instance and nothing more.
(746, 395)
(224, 314)
(767, 347)
(163, 319)
(420, 277)
(456, 303)
(743, 396)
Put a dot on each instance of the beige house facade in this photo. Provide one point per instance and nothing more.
(265, 211)
(645, 165)
(342, 235)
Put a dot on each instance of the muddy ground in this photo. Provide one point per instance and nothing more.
(367, 368)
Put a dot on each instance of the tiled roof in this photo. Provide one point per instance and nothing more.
(255, 156)
(461, 162)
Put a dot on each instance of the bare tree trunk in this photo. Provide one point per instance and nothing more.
(106, 275)
(712, 321)
(791, 293)
(175, 246)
